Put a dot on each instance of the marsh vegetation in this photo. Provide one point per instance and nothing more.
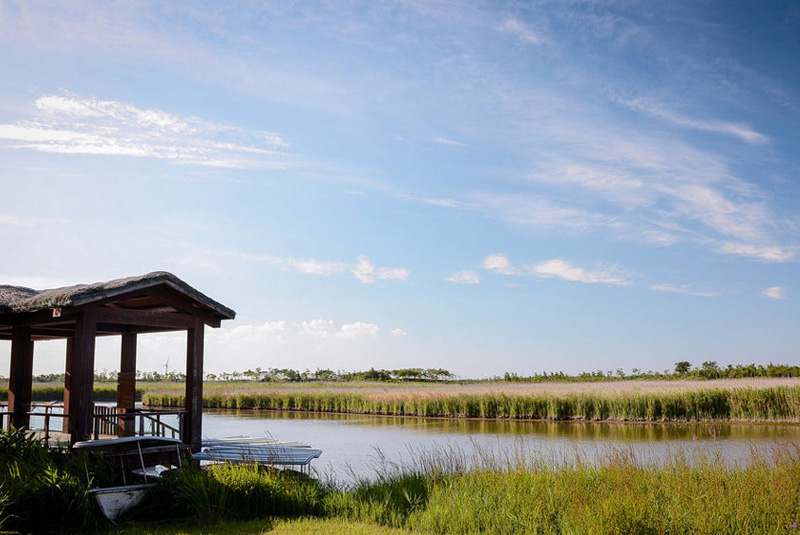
(438, 491)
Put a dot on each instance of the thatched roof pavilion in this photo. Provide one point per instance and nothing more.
(152, 303)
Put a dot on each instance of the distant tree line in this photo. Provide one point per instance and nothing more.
(683, 370)
(290, 375)
(274, 374)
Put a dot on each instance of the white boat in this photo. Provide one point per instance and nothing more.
(114, 501)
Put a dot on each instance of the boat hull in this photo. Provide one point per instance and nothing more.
(114, 501)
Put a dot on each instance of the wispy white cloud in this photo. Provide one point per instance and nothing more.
(538, 212)
(363, 269)
(774, 292)
(73, 125)
(464, 277)
(741, 131)
(500, 264)
(562, 269)
(683, 289)
(358, 330)
(765, 253)
(8, 219)
(398, 332)
(522, 31)
(291, 344)
(441, 203)
(447, 141)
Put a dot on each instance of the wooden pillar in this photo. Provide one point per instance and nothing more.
(193, 430)
(81, 380)
(67, 375)
(21, 377)
(126, 384)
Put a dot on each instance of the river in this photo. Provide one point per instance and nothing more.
(359, 446)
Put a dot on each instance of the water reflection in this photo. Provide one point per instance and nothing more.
(351, 443)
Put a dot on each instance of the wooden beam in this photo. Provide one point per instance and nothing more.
(82, 376)
(144, 318)
(193, 431)
(21, 377)
(126, 383)
(67, 382)
(186, 305)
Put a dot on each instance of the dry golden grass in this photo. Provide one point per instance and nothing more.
(455, 388)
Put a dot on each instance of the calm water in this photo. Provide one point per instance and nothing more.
(353, 446)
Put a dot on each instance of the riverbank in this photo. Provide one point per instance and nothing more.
(437, 492)
(750, 400)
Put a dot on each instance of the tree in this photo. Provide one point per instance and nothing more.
(682, 368)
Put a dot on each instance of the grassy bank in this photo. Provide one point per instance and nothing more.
(775, 403)
(620, 495)
(440, 492)
(772, 399)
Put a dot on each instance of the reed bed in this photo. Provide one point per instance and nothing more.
(449, 491)
(472, 387)
(619, 495)
(778, 403)
(443, 491)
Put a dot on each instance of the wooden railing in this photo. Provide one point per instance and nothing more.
(111, 421)
(106, 421)
(5, 415)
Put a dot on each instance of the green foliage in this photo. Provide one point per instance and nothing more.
(290, 375)
(616, 495)
(683, 370)
(41, 490)
(232, 491)
(771, 403)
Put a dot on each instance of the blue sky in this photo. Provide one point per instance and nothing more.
(480, 186)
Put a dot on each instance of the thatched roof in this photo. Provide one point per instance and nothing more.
(18, 299)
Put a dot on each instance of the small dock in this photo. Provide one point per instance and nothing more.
(263, 451)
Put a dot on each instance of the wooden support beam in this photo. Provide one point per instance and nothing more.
(193, 431)
(82, 376)
(144, 318)
(67, 376)
(21, 377)
(126, 384)
(186, 305)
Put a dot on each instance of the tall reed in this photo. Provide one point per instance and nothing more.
(779, 403)
(617, 495)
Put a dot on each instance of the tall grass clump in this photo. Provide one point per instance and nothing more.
(618, 494)
(232, 492)
(776, 403)
(41, 490)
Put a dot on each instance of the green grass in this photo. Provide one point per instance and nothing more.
(233, 491)
(442, 491)
(777, 403)
(299, 526)
(42, 490)
(619, 495)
